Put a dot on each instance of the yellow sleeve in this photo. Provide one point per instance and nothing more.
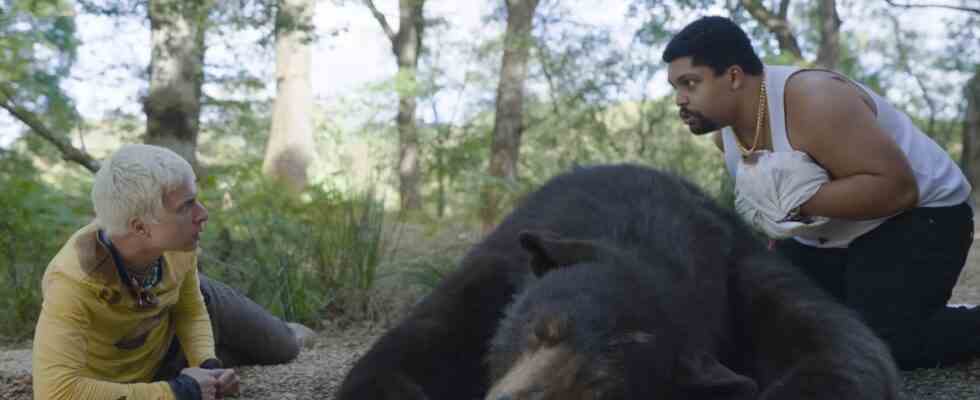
(193, 323)
(59, 354)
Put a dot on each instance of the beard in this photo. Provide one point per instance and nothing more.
(697, 122)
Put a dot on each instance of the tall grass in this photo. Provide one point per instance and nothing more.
(300, 255)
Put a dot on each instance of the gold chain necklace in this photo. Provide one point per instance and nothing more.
(759, 119)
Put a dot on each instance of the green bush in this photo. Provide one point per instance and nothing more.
(35, 221)
(299, 255)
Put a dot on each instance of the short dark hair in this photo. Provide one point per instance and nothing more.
(716, 42)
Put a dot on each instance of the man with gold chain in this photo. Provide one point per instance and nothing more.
(852, 192)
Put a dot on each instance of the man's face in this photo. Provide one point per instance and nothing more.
(180, 224)
(699, 94)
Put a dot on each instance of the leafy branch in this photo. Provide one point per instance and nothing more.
(29, 118)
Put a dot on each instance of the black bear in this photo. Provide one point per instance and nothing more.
(624, 282)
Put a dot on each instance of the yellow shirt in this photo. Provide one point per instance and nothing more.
(92, 342)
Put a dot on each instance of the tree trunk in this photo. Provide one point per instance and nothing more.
(509, 118)
(406, 45)
(173, 104)
(290, 149)
(971, 133)
(778, 24)
(828, 56)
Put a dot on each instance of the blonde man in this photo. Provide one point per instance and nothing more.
(125, 310)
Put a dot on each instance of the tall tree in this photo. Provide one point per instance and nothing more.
(963, 43)
(970, 160)
(509, 118)
(828, 56)
(173, 103)
(406, 44)
(290, 149)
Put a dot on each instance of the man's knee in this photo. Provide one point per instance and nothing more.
(245, 331)
(287, 351)
(283, 345)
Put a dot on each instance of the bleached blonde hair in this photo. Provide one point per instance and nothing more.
(132, 183)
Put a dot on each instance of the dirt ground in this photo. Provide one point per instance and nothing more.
(321, 366)
(967, 290)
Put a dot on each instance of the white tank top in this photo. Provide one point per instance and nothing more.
(941, 182)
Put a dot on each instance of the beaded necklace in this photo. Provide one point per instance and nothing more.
(139, 284)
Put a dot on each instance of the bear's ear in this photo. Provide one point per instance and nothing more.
(549, 251)
(702, 376)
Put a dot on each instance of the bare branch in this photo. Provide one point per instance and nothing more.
(68, 152)
(381, 20)
(905, 65)
(923, 5)
(776, 24)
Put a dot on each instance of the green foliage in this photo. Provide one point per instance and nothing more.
(638, 132)
(35, 220)
(962, 40)
(455, 163)
(946, 132)
(298, 255)
(37, 49)
(428, 272)
(235, 132)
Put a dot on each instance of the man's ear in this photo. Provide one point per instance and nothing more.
(549, 251)
(736, 76)
(137, 226)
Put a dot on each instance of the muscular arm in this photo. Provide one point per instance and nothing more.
(830, 119)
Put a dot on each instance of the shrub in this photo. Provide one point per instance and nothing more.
(35, 221)
(297, 254)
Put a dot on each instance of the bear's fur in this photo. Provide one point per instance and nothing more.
(626, 283)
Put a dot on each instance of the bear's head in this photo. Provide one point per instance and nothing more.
(597, 323)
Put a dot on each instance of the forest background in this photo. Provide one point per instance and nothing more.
(350, 151)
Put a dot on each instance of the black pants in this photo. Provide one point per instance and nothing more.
(899, 277)
(244, 332)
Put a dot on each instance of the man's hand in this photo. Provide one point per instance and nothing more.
(770, 187)
(206, 379)
(227, 382)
